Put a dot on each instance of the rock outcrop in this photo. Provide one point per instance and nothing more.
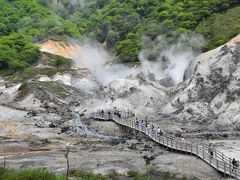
(210, 98)
(64, 49)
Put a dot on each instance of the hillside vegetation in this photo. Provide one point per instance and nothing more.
(39, 174)
(24, 22)
(119, 24)
(220, 27)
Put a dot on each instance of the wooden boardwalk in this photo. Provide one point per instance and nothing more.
(218, 161)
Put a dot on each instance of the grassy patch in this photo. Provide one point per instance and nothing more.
(59, 62)
(84, 175)
(137, 175)
(39, 174)
(43, 89)
(153, 174)
(30, 73)
(220, 27)
(53, 62)
(29, 174)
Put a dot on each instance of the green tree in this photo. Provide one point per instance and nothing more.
(16, 52)
(128, 49)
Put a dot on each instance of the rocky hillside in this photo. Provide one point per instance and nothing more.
(41, 104)
(209, 98)
(61, 60)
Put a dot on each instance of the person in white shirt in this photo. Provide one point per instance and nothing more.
(148, 126)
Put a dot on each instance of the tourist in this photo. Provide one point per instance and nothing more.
(159, 131)
(234, 163)
(153, 129)
(119, 114)
(148, 126)
(109, 114)
(210, 149)
(137, 123)
(183, 140)
(142, 124)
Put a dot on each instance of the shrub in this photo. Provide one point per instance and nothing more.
(84, 175)
(16, 52)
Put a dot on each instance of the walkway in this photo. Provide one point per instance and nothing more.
(218, 161)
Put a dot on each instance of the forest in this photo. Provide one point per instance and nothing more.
(118, 24)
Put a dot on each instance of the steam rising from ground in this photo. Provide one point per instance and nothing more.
(98, 61)
(171, 56)
(164, 57)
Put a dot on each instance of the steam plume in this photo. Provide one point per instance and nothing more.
(171, 56)
(98, 61)
(171, 59)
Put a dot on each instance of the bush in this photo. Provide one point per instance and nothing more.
(151, 169)
(132, 173)
(16, 52)
(128, 49)
(61, 62)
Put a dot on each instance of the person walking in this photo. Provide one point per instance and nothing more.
(137, 122)
(159, 132)
(210, 150)
(142, 125)
(148, 127)
(153, 129)
(183, 140)
(234, 163)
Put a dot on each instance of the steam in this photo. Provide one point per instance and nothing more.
(166, 58)
(170, 57)
(97, 59)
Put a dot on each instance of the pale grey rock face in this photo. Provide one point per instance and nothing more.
(141, 93)
(211, 94)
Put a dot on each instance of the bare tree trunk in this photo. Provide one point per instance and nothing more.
(66, 156)
(67, 168)
(4, 162)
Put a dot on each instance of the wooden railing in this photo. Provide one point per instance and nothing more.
(218, 161)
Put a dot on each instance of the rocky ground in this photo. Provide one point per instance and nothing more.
(101, 156)
(209, 98)
(42, 116)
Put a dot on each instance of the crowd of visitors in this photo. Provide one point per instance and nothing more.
(141, 124)
(144, 125)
